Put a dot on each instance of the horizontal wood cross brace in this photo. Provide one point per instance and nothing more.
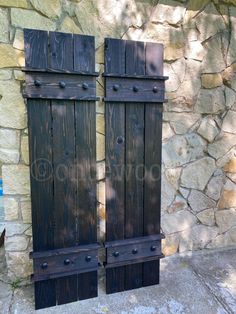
(64, 262)
(134, 250)
(49, 85)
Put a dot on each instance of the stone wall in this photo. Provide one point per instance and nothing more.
(199, 129)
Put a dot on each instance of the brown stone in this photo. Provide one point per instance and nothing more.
(228, 199)
(231, 165)
(211, 80)
(170, 244)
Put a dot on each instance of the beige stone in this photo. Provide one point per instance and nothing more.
(100, 170)
(18, 42)
(51, 8)
(229, 76)
(25, 149)
(16, 179)
(19, 75)
(16, 243)
(178, 204)
(181, 122)
(14, 3)
(207, 217)
(5, 74)
(176, 222)
(211, 80)
(224, 240)
(12, 108)
(211, 101)
(225, 219)
(199, 201)
(19, 265)
(68, 25)
(101, 192)
(16, 229)
(100, 54)
(231, 165)
(230, 97)
(229, 122)
(11, 208)
(9, 139)
(197, 174)
(231, 55)
(26, 211)
(100, 108)
(179, 67)
(100, 123)
(31, 19)
(174, 82)
(10, 57)
(173, 51)
(195, 50)
(170, 244)
(222, 145)
(193, 8)
(173, 175)
(9, 156)
(197, 237)
(168, 193)
(166, 131)
(171, 12)
(4, 26)
(100, 146)
(208, 129)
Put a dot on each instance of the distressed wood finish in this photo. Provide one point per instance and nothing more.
(133, 198)
(62, 139)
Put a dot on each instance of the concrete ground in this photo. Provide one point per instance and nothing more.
(201, 282)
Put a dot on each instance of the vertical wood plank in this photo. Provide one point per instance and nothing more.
(63, 140)
(152, 187)
(61, 58)
(39, 122)
(134, 163)
(115, 159)
(36, 49)
(85, 117)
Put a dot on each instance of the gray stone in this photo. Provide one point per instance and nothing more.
(229, 122)
(4, 26)
(228, 196)
(179, 67)
(166, 131)
(230, 96)
(178, 204)
(51, 8)
(208, 129)
(11, 208)
(196, 238)
(222, 145)
(26, 211)
(173, 83)
(199, 201)
(19, 265)
(168, 193)
(181, 122)
(180, 150)
(9, 156)
(177, 221)
(16, 228)
(207, 217)
(173, 175)
(225, 219)
(31, 19)
(210, 101)
(196, 175)
(5, 74)
(184, 192)
(231, 56)
(5, 297)
(214, 186)
(16, 243)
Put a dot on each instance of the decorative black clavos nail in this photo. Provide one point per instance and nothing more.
(135, 89)
(153, 248)
(85, 86)
(44, 265)
(37, 83)
(155, 89)
(116, 87)
(62, 84)
(120, 140)
(116, 254)
(135, 251)
(67, 261)
(88, 258)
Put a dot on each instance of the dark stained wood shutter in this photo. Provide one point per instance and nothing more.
(60, 91)
(134, 96)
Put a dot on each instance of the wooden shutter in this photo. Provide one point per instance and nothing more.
(134, 99)
(61, 93)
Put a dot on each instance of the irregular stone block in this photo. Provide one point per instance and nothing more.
(16, 243)
(31, 19)
(11, 208)
(229, 122)
(228, 197)
(10, 57)
(171, 12)
(207, 217)
(68, 25)
(25, 149)
(5, 75)
(4, 26)
(181, 122)
(208, 129)
(178, 204)
(231, 165)
(196, 175)
(100, 146)
(177, 222)
(26, 211)
(215, 185)
(9, 156)
(199, 201)
(16, 179)
(100, 170)
(195, 50)
(18, 42)
(181, 149)
(220, 147)
(19, 265)
(51, 8)
(210, 101)
(101, 192)
(225, 219)
(14, 3)
(211, 80)
(170, 244)
(100, 123)
(168, 193)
